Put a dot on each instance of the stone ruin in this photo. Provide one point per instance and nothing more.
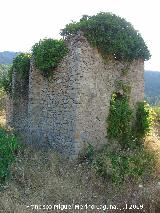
(68, 112)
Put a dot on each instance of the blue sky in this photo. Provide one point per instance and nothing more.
(25, 22)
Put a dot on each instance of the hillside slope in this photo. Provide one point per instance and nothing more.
(152, 87)
(6, 57)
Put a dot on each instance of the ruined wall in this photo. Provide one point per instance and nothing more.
(17, 104)
(95, 90)
(70, 110)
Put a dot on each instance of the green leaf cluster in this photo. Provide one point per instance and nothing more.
(21, 64)
(156, 110)
(144, 119)
(6, 81)
(126, 159)
(9, 144)
(119, 119)
(111, 35)
(120, 166)
(47, 54)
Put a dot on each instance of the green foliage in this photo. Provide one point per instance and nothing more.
(126, 158)
(111, 35)
(6, 81)
(9, 144)
(120, 166)
(21, 64)
(120, 125)
(157, 113)
(119, 119)
(144, 119)
(4, 69)
(47, 54)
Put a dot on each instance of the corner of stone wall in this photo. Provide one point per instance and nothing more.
(71, 110)
(17, 104)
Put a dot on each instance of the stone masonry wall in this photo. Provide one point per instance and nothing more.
(70, 111)
(17, 104)
(97, 82)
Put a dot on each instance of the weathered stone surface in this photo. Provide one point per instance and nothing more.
(70, 111)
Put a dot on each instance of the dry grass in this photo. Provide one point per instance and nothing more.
(44, 178)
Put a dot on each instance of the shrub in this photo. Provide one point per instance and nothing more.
(47, 54)
(157, 113)
(6, 81)
(21, 64)
(144, 119)
(9, 144)
(120, 166)
(112, 35)
(119, 119)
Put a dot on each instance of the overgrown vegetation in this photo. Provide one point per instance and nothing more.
(145, 119)
(112, 35)
(118, 166)
(43, 177)
(9, 144)
(6, 81)
(156, 109)
(119, 120)
(47, 54)
(21, 65)
(125, 157)
(5, 78)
